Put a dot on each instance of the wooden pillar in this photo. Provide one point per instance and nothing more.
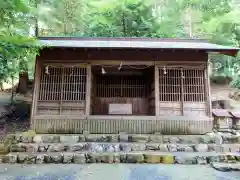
(157, 107)
(207, 91)
(36, 87)
(182, 91)
(88, 90)
(208, 88)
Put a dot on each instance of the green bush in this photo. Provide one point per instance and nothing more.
(221, 79)
(236, 82)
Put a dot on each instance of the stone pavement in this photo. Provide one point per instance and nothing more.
(113, 171)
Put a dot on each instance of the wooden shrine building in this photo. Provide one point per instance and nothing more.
(133, 85)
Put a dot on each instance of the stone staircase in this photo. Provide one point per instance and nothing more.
(30, 148)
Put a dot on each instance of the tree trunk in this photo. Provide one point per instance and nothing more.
(23, 83)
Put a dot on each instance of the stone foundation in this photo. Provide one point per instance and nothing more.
(130, 157)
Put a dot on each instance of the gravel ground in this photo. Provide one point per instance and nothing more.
(113, 171)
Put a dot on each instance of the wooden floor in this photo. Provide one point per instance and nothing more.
(128, 124)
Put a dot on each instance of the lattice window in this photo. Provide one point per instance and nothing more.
(170, 84)
(193, 85)
(62, 89)
(121, 86)
(175, 82)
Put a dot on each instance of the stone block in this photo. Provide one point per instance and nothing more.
(3, 149)
(96, 138)
(27, 136)
(202, 160)
(112, 138)
(188, 139)
(81, 138)
(230, 159)
(238, 158)
(138, 147)
(55, 158)
(116, 158)
(235, 167)
(94, 157)
(77, 147)
(111, 147)
(79, 158)
(152, 146)
(172, 147)
(185, 159)
(173, 139)
(107, 158)
(58, 148)
(95, 147)
(26, 158)
(152, 158)
(67, 157)
(38, 139)
(156, 138)
(51, 139)
(167, 159)
(17, 148)
(135, 157)
(125, 147)
(123, 157)
(30, 148)
(163, 148)
(43, 147)
(201, 148)
(231, 147)
(123, 137)
(185, 148)
(207, 139)
(26, 139)
(11, 139)
(212, 159)
(69, 139)
(141, 138)
(224, 167)
(40, 158)
(10, 158)
(229, 138)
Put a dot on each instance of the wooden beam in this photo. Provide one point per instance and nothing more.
(156, 79)
(117, 63)
(88, 90)
(37, 76)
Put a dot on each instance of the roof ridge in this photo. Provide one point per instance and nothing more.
(123, 39)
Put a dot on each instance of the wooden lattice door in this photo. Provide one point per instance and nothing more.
(182, 91)
(62, 91)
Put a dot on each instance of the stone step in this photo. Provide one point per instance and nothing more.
(121, 147)
(130, 157)
(154, 138)
(225, 167)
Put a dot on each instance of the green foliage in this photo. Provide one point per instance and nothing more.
(236, 82)
(17, 48)
(216, 20)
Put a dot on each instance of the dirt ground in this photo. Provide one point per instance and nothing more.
(221, 92)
